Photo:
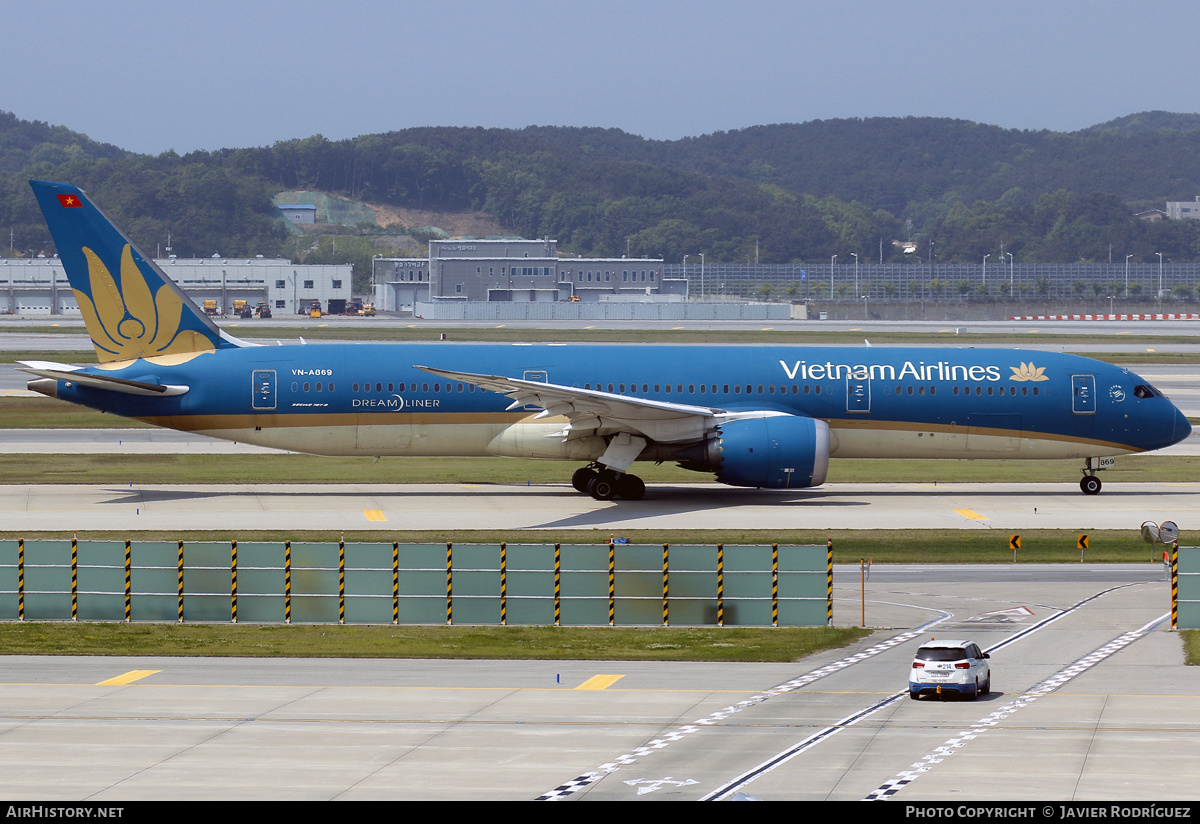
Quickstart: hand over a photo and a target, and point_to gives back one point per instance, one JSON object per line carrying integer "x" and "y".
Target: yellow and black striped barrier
{"x": 611, "y": 583}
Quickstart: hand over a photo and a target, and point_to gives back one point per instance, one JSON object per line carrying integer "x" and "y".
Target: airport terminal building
{"x": 39, "y": 286}
{"x": 512, "y": 270}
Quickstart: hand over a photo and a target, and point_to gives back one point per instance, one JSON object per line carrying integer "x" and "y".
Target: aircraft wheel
{"x": 582, "y": 477}
{"x": 603, "y": 487}
{"x": 1090, "y": 484}
{"x": 631, "y": 487}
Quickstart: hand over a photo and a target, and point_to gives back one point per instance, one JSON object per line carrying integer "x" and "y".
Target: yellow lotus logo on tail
{"x": 129, "y": 322}
{"x": 1028, "y": 372}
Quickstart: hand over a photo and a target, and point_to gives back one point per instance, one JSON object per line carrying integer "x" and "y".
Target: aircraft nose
{"x": 1183, "y": 427}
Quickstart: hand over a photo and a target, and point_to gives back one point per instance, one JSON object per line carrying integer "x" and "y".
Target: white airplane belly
{"x": 960, "y": 442}
{"x": 427, "y": 439}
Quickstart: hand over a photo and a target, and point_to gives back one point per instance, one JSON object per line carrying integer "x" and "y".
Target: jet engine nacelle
{"x": 779, "y": 452}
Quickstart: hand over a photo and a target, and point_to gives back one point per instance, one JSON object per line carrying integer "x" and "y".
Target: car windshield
{"x": 941, "y": 654}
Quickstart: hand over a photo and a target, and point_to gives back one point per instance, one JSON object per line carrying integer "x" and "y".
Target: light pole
{"x": 831, "y": 261}
{"x": 1159, "y": 275}
{"x": 701, "y": 275}
{"x": 1010, "y": 274}
{"x": 855, "y": 256}
{"x": 985, "y": 257}
{"x": 1127, "y": 257}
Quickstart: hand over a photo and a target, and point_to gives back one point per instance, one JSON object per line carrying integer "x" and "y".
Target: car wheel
{"x": 914, "y": 695}
{"x": 975, "y": 693}
{"x": 987, "y": 685}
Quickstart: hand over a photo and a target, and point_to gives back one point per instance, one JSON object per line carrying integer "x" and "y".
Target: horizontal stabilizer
{"x": 77, "y": 375}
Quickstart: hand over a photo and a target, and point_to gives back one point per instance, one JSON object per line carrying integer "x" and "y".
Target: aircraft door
{"x": 1083, "y": 394}
{"x": 858, "y": 394}
{"x": 263, "y": 389}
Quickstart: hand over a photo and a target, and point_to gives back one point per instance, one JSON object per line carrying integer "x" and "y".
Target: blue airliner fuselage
{"x": 761, "y": 415}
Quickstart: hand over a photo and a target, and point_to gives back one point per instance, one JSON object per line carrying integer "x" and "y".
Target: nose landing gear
{"x": 1089, "y": 483}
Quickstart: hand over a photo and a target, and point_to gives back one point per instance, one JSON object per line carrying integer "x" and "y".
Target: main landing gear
{"x": 604, "y": 484}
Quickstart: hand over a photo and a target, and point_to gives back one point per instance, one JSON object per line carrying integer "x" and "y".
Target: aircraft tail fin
{"x": 131, "y": 307}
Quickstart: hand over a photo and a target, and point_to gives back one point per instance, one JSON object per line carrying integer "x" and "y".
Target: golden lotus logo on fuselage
{"x": 128, "y": 322}
{"x": 1028, "y": 372}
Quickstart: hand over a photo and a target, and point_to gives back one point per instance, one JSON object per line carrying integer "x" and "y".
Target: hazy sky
{"x": 206, "y": 74}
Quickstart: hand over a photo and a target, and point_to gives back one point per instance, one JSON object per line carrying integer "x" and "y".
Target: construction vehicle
{"x": 263, "y": 310}
{"x": 241, "y": 309}
{"x": 210, "y": 307}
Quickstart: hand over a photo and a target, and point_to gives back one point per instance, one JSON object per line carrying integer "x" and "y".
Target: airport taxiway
{"x": 1006, "y": 507}
{"x": 1090, "y": 702}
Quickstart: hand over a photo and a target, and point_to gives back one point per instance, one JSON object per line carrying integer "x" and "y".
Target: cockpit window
{"x": 1145, "y": 390}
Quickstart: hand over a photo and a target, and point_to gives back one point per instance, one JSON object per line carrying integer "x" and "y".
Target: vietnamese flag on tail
{"x": 70, "y": 200}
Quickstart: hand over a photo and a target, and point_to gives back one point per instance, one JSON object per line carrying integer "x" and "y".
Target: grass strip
{"x": 183, "y": 468}
{"x": 850, "y": 546}
{"x": 1191, "y": 647}
{"x": 709, "y": 644}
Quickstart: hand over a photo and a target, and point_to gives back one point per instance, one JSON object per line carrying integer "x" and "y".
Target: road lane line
{"x": 889, "y": 788}
{"x": 580, "y": 782}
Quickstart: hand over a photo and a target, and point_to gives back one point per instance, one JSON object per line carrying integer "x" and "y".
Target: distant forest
{"x": 776, "y": 194}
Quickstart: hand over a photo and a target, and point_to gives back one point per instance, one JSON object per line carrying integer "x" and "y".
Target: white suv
{"x": 950, "y": 666}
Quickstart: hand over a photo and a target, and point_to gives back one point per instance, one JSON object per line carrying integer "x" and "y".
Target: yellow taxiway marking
{"x": 967, "y": 513}
{"x": 127, "y": 678}
{"x": 599, "y": 682}
{"x": 374, "y": 515}
{"x": 1149, "y": 350}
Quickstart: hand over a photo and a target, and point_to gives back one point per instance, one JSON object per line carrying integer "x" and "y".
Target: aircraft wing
{"x": 77, "y": 375}
{"x": 592, "y": 412}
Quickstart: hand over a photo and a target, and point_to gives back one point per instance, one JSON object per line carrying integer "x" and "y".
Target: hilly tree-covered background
{"x": 776, "y": 194}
